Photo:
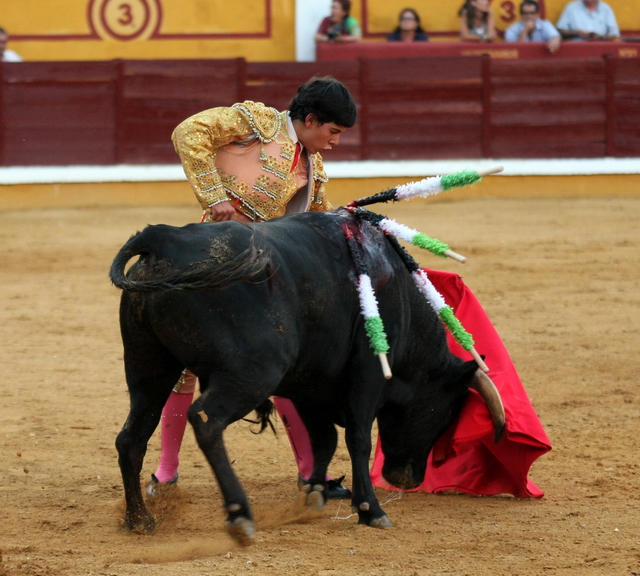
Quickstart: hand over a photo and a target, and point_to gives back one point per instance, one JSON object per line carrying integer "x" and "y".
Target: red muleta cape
{"x": 465, "y": 458}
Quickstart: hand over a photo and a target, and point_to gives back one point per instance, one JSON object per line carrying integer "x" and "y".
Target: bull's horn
{"x": 487, "y": 389}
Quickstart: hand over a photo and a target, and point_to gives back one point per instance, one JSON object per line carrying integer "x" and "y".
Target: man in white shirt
{"x": 7, "y": 55}
{"x": 531, "y": 28}
{"x": 588, "y": 20}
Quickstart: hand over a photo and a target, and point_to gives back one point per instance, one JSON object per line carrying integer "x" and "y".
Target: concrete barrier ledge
{"x": 12, "y": 175}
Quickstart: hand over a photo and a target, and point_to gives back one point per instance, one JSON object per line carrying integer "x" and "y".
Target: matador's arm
{"x": 197, "y": 140}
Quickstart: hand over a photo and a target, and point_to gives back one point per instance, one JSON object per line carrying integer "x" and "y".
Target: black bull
{"x": 272, "y": 309}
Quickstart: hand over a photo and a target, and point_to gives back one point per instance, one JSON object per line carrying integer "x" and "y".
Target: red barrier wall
{"x": 58, "y": 113}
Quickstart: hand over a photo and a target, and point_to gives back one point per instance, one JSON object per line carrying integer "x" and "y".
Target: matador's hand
{"x": 221, "y": 212}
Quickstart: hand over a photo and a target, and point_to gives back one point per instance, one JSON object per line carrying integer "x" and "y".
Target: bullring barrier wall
{"x": 460, "y": 107}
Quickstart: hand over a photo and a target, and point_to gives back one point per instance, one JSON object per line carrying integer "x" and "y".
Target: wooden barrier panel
{"x": 154, "y": 96}
{"x": 422, "y": 108}
{"x": 275, "y": 84}
{"x": 548, "y": 109}
{"x": 624, "y": 112}
{"x": 58, "y": 113}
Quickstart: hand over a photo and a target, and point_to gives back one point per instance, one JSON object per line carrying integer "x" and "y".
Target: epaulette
{"x": 265, "y": 122}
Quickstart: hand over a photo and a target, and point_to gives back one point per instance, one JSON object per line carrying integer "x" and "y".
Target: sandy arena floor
{"x": 559, "y": 278}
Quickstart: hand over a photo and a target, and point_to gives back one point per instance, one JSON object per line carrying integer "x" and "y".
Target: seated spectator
{"x": 588, "y": 20}
{"x": 531, "y": 28}
{"x": 409, "y": 28}
{"x": 339, "y": 27}
{"x": 7, "y": 55}
{"x": 476, "y": 22}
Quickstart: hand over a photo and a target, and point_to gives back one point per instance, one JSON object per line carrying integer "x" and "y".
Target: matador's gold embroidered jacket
{"x": 244, "y": 154}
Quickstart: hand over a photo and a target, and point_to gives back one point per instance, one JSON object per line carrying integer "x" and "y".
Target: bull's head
{"x": 409, "y": 430}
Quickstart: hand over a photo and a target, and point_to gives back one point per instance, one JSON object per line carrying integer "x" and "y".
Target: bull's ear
{"x": 468, "y": 371}
{"x": 462, "y": 375}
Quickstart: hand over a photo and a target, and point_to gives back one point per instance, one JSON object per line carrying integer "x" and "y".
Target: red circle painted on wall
{"x": 125, "y": 20}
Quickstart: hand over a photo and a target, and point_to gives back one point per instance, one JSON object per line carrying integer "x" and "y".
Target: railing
{"x": 59, "y": 113}
{"x": 498, "y": 50}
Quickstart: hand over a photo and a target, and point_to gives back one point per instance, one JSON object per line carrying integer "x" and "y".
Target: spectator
{"x": 7, "y": 55}
{"x": 476, "y": 22}
{"x": 588, "y": 20}
{"x": 409, "y": 28}
{"x": 531, "y": 28}
{"x": 339, "y": 27}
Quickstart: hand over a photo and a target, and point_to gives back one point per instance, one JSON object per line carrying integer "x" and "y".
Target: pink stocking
{"x": 174, "y": 422}
{"x": 298, "y": 436}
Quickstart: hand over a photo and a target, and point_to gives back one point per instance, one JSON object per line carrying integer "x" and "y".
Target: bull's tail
{"x": 263, "y": 413}
{"x": 206, "y": 275}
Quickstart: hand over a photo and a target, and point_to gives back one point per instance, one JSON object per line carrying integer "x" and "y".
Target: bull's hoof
{"x": 315, "y": 501}
{"x": 144, "y": 524}
{"x": 382, "y": 522}
{"x": 242, "y": 530}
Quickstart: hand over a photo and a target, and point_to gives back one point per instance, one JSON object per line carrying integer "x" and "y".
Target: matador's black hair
{"x": 327, "y": 98}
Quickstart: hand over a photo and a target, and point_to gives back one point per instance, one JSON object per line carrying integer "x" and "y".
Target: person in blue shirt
{"x": 409, "y": 28}
{"x": 588, "y": 21}
{"x": 532, "y": 28}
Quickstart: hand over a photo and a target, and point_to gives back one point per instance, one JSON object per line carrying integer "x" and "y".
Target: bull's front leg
{"x": 364, "y": 501}
{"x": 324, "y": 439}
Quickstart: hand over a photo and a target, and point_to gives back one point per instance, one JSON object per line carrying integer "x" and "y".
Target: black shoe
{"x": 155, "y": 485}
{"x": 334, "y": 491}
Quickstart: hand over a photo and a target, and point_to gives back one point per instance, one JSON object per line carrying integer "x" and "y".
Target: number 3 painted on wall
{"x": 127, "y": 15}
{"x": 508, "y": 10}
{"x": 125, "y": 20}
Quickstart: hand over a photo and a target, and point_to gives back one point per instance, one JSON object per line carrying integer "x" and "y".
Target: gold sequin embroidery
{"x": 288, "y": 151}
{"x": 198, "y": 139}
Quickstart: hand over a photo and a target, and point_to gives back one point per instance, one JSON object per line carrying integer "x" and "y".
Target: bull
{"x": 272, "y": 309}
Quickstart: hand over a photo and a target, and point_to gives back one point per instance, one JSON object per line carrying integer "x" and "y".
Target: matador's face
{"x": 317, "y": 137}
